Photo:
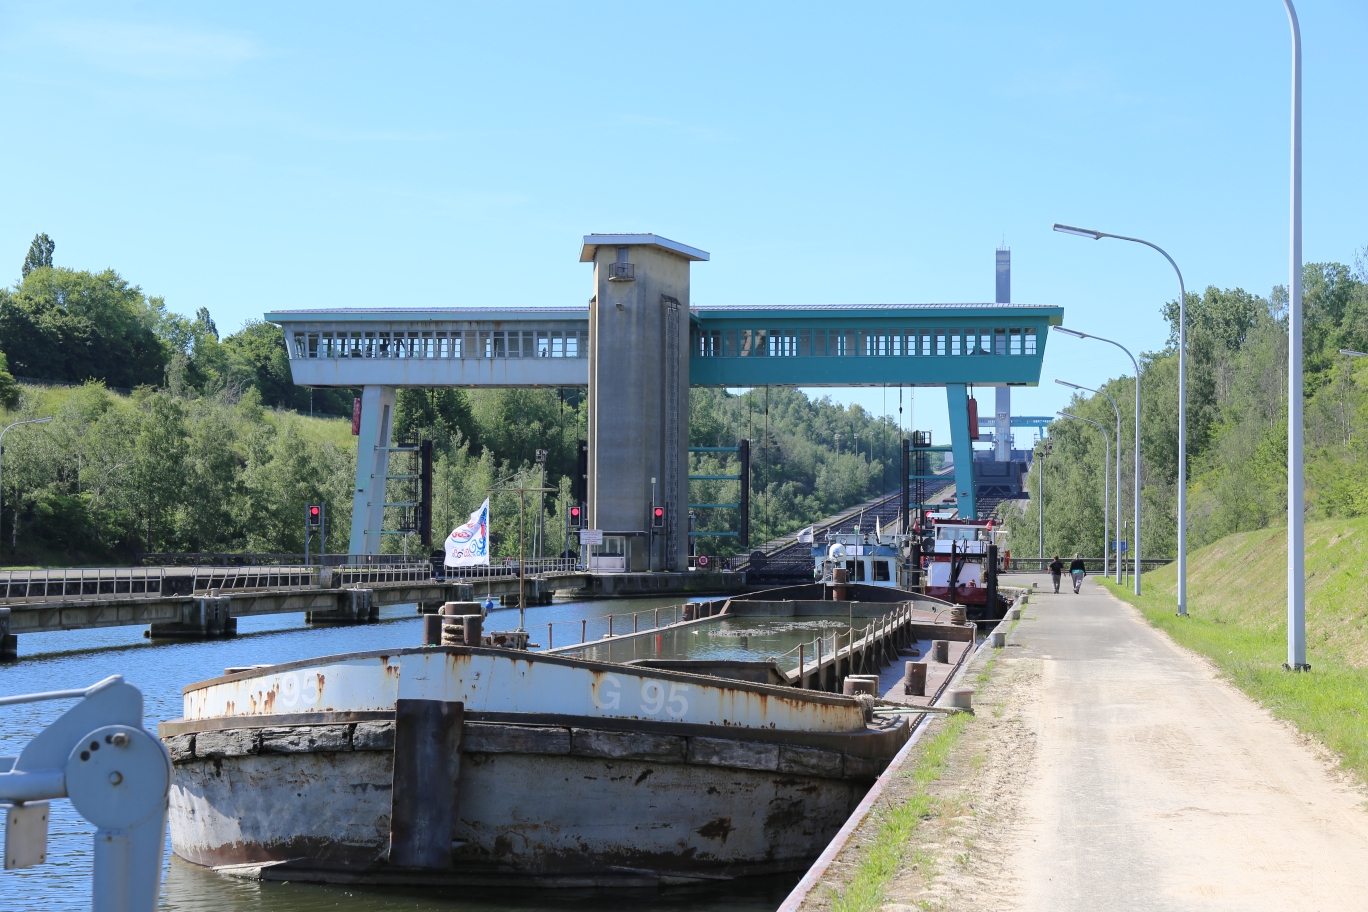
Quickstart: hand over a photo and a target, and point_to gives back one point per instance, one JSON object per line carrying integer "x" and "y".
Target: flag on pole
{"x": 468, "y": 545}
{"x": 805, "y": 536}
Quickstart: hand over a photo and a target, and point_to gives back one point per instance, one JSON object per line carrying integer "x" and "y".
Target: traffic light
{"x": 315, "y": 516}
{"x": 576, "y": 517}
{"x": 658, "y": 517}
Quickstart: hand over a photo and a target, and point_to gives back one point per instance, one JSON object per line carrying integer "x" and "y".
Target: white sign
{"x": 468, "y": 545}
{"x": 591, "y": 536}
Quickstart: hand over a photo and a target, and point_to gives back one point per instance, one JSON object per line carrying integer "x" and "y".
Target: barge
{"x": 491, "y": 766}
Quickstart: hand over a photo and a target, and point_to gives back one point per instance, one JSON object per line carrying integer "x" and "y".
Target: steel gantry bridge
{"x": 638, "y": 346}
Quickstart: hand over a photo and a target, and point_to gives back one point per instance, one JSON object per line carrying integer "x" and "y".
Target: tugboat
{"x": 959, "y": 558}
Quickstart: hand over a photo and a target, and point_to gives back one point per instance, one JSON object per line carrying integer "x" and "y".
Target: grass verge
{"x": 881, "y": 858}
{"x": 1237, "y": 619}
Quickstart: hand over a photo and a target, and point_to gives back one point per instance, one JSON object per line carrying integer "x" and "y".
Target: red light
{"x": 313, "y": 511}
{"x": 574, "y": 511}
{"x": 659, "y": 511}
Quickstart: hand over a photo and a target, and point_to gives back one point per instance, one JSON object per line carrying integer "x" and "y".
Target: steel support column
{"x": 372, "y": 465}
{"x": 957, "y": 400}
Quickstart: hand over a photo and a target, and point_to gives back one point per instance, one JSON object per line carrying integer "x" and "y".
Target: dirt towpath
{"x": 1108, "y": 768}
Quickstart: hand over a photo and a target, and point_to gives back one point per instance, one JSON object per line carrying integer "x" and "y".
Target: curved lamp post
{"x": 1296, "y": 518}
{"x": 1106, "y": 482}
{"x": 1117, "y": 409}
{"x": 2, "y": 456}
{"x": 1083, "y": 335}
{"x": 1182, "y": 406}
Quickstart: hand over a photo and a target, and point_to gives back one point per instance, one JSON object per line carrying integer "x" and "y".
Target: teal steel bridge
{"x": 955, "y": 346}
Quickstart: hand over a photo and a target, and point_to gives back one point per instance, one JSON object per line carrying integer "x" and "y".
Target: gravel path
{"x": 1108, "y": 768}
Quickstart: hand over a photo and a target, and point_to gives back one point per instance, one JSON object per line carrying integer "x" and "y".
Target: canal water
{"x": 60, "y": 661}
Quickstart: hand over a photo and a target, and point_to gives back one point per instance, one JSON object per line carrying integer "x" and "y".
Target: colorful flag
{"x": 805, "y": 536}
{"x": 468, "y": 545}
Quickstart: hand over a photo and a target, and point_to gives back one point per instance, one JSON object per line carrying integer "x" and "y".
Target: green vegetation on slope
{"x": 1237, "y": 422}
{"x": 1237, "y": 591}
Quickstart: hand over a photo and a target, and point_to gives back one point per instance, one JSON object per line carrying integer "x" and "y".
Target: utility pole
{"x": 522, "y": 549}
{"x": 541, "y": 506}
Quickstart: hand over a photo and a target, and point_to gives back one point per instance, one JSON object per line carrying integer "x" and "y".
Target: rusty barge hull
{"x": 536, "y": 804}
{"x": 554, "y": 771}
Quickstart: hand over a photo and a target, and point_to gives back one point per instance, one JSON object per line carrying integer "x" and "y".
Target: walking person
{"x": 1056, "y": 568}
{"x": 1077, "y": 571}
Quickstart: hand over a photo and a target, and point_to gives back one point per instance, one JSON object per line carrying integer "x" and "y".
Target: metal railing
{"x": 362, "y": 574}
{"x": 213, "y": 559}
{"x": 1091, "y": 564}
{"x": 598, "y": 630}
{"x": 235, "y": 579}
{"x": 80, "y": 583}
{"x": 509, "y": 568}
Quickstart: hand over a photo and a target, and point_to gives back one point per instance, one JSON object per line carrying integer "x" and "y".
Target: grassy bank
{"x": 1237, "y": 606}
{"x": 893, "y": 845}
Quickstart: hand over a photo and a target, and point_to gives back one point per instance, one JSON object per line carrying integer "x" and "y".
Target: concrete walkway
{"x": 1156, "y": 786}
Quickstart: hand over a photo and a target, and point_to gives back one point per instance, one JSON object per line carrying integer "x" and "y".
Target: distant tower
{"x": 1002, "y": 432}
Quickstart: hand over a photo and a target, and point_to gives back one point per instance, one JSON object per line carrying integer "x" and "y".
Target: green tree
{"x": 39, "y": 254}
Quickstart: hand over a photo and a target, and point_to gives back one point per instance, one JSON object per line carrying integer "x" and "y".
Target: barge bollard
{"x": 958, "y": 615}
{"x": 940, "y": 651}
{"x": 860, "y": 684}
{"x": 1014, "y": 614}
{"x": 914, "y": 679}
{"x": 432, "y": 630}
{"x": 998, "y": 639}
{"x": 474, "y": 625}
{"x": 689, "y": 608}
{"x": 962, "y": 698}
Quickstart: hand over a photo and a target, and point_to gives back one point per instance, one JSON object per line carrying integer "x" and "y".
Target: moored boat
{"x": 486, "y": 766}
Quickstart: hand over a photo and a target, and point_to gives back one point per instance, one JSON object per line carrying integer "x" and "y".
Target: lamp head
{"x": 1069, "y": 385}
{"x": 1081, "y": 232}
{"x": 1353, "y": 354}
{"x": 1070, "y": 332}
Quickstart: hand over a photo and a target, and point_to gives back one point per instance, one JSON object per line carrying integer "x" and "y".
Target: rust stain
{"x": 717, "y": 828}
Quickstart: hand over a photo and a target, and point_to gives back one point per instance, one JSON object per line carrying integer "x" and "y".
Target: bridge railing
{"x": 509, "y": 568}
{"x": 398, "y": 572}
{"x": 234, "y": 579}
{"x": 69, "y": 583}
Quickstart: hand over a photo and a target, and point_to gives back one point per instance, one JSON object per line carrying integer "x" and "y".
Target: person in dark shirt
{"x": 1077, "y": 571}
{"x": 1056, "y": 568}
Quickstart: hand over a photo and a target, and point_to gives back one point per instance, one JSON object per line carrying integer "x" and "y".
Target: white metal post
{"x": 1136, "y": 364}
{"x": 1116, "y": 563}
{"x": 1296, "y": 519}
{"x": 1182, "y": 410}
{"x": 1106, "y": 483}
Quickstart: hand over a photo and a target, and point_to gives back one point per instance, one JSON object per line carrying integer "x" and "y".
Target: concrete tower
{"x": 639, "y": 399}
{"x": 1002, "y": 431}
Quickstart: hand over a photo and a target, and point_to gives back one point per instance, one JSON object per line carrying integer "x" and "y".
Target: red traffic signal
{"x": 576, "y": 518}
{"x": 315, "y": 515}
{"x": 658, "y": 517}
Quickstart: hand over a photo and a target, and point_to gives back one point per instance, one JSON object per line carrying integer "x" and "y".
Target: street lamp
{"x": 1296, "y": 517}
{"x": 1106, "y": 482}
{"x": 1353, "y": 354}
{"x": 1117, "y": 409}
{"x": 1082, "y": 335}
{"x": 2, "y": 458}
{"x": 1182, "y": 404}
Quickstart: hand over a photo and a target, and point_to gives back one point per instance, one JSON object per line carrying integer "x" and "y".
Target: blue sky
{"x": 246, "y": 157}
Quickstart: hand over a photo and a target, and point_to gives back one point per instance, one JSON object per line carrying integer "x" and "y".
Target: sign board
{"x": 702, "y": 560}
{"x": 1121, "y": 547}
{"x": 591, "y": 536}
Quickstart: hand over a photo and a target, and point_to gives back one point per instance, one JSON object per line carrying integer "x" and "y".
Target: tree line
{"x": 1237, "y": 423}
{"x": 169, "y": 438}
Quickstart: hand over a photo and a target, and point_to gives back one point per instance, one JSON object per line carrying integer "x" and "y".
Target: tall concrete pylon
{"x": 1002, "y": 431}
{"x": 639, "y": 397}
